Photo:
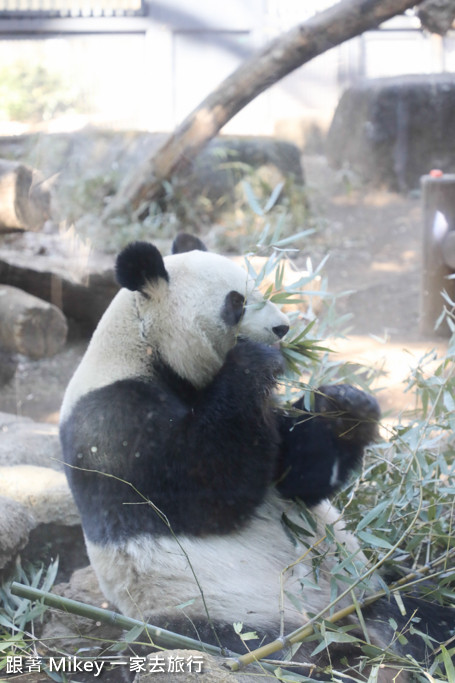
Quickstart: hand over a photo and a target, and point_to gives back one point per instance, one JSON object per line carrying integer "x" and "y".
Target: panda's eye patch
{"x": 234, "y": 305}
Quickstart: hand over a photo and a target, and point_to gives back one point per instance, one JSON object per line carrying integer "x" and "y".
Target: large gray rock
{"x": 24, "y": 442}
{"x": 228, "y": 160}
{"x": 16, "y": 522}
{"x": 43, "y": 492}
{"x": 391, "y": 131}
{"x": 90, "y": 165}
{"x": 8, "y": 365}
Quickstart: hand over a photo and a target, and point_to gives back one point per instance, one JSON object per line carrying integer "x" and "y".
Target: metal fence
{"x": 70, "y": 8}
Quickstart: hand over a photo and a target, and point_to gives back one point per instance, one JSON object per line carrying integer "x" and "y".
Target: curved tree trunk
{"x": 280, "y": 57}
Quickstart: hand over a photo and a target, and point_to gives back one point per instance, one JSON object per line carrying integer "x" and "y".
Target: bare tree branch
{"x": 280, "y": 57}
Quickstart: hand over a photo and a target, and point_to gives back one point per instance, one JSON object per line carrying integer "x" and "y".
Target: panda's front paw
{"x": 352, "y": 413}
{"x": 257, "y": 360}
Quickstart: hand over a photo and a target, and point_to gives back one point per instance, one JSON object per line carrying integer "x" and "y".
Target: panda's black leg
{"x": 319, "y": 449}
{"x": 352, "y": 413}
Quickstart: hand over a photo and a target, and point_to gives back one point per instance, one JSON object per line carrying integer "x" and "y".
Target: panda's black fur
{"x": 154, "y": 455}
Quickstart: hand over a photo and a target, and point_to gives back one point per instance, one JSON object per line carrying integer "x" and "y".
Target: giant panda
{"x": 184, "y": 465}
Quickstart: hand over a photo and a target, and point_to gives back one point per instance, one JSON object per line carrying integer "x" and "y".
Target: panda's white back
{"x": 111, "y": 355}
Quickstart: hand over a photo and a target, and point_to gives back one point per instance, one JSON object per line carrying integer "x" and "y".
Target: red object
{"x": 436, "y": 173}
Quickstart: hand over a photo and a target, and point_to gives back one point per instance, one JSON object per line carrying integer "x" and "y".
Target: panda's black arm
{"x": 235, "y": 411}
{"x": 204, "y": 457}
{"x": 225, "y": 445}
{"x": 320, "y": 449}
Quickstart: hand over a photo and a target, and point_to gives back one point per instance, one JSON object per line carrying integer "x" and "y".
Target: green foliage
{"x": 85, "y": 194}
{"x": 233, "y": 214}
{"x": 407, "y": 489}
{"x": 30, "y": 92}
{"x": 307, "y": 359}
{"x": 268, "y": 211}
{"x": 401, "y": 508}
{"x": 17, "y": 614}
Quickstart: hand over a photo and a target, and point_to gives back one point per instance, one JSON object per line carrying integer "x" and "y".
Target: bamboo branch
{"x": 163, "y": 638}
{"x": 160, "y": 637}
{"x": 281, "y": 56}
{"x": 307, "y": 630}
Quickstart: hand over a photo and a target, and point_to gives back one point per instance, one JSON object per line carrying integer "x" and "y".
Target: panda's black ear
{"x": 139, "y": 263}
{"x": 185, "y": 242}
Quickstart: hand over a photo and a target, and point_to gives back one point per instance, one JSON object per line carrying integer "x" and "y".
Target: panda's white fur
{"x": 184, "y": 325}
{"x": 244, "y": 574}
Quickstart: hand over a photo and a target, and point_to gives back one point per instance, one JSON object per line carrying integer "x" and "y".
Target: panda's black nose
{"x": 280, "y": 330}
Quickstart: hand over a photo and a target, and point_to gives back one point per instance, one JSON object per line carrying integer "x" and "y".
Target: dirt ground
{"x": 375, "y": 254}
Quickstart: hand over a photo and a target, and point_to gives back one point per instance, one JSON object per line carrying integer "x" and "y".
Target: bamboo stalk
{"x": 161, "y": 637}
{"x": 235, "y": 662}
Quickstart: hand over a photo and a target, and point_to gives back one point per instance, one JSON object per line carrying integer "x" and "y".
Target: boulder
{"x": 89, "y": 166}
{"x": 391, "y": 131}
{"x": 228, "y": 160}
{"x": 44, "y": 492}
{"x": 16, "y": 522}
{"x": 24, "y": 442}
{"x": 8, "y": 365}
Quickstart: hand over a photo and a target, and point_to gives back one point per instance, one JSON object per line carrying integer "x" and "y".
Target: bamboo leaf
{"x": 293, "y": 238}
{"x": 287, "y": 298}
{"x": 238, "y": 627}
{"x": 264, "y": 235}
{"x": 448, "y": 663}
{"x": 273, "y": 197}
{"x": 449, "y": 402}
{"x": 373, "y": 514}
{"x": 333, "y": 637}
{"x": 374, "y": 540}
{"x": 129, "y": 637}
{"x": 252, "y": 200}
{"x": 287, "y": 677}
{"x": 295, "y": 528}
